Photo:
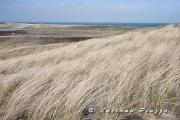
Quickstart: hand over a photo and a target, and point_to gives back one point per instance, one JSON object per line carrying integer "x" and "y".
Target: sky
{"x": 117, "y": 11}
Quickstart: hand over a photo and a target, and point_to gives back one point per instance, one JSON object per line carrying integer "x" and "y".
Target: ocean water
{"x": 106, "y": 24}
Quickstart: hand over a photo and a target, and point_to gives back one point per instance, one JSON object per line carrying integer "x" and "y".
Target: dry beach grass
{"x": 140, "y": 68}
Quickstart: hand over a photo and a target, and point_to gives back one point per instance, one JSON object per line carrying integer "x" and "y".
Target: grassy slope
{"x": 136, "y": 69}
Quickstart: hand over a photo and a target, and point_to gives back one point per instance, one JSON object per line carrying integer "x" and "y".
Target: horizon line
{"x": 90, "y": 22}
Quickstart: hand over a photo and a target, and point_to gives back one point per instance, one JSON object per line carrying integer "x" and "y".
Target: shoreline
{"x": 71, "y": 24}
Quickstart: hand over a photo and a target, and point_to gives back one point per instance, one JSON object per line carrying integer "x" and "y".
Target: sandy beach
{"x": 17, "y": 39}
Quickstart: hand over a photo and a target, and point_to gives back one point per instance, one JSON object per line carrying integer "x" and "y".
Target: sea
{"x": 104, "y": 24}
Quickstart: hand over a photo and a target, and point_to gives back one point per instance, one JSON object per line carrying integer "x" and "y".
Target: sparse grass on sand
{"x": 140, "y": 68}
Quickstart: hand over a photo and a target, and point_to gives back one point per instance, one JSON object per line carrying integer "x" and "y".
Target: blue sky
{"x": 129, "y": 11}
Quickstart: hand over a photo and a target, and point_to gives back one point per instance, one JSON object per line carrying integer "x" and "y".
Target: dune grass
{"x": 137, "y": 69}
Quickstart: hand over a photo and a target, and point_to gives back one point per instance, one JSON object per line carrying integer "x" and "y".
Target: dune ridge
{"x": 139, "y": 68}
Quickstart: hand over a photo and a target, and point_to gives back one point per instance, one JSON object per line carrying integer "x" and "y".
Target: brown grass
{"x": 137, "y": 69}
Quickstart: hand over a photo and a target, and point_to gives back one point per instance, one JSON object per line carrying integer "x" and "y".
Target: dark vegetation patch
{"x": 11, "y": 32}
{"x": 54, "y": 40}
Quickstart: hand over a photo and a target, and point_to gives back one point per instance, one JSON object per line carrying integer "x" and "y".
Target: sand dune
{"x": 140, "y": 68}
